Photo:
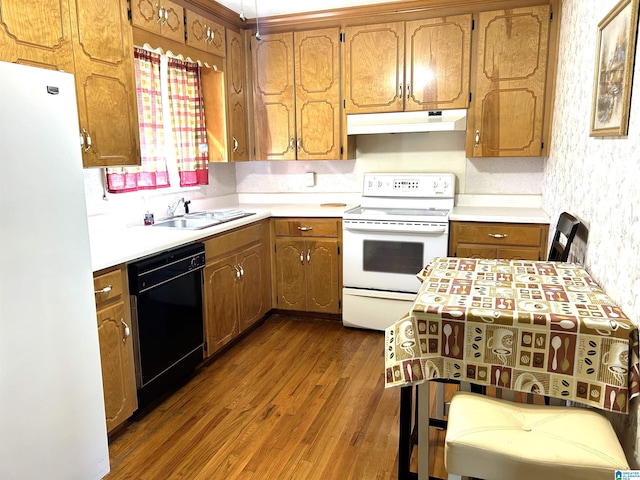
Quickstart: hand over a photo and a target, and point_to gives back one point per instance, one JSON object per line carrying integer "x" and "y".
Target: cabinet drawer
{"x": 307, "y": 227}
{"x": 226, "y": 243}
{"x": 107, "y": 286}
{"x": 525, "y": 234}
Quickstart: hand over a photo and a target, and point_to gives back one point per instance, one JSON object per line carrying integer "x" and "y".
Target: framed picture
{"x": 614, "y": 70}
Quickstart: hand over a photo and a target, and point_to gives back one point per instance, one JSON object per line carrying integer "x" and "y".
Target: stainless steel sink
{"x": 199, "y": 220}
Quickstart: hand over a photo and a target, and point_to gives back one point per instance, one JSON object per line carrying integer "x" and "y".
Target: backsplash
{"x": 403, "y": 152}
{"x": 596, "y": 178}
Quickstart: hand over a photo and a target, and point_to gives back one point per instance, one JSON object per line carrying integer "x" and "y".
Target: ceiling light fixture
{"x": 258, "y": 37}
{"x": 242, "y": 17}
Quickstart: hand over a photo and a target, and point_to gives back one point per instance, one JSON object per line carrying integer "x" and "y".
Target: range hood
{"x": 406, "y": 122}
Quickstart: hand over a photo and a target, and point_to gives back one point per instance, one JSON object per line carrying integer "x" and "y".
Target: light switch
{"x": 310, "y": 179}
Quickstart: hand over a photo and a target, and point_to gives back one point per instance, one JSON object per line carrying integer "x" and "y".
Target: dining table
{"x": 538, "y": 327}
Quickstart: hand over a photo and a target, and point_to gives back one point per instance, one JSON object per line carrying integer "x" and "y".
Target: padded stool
{"x": 496, "y": 439}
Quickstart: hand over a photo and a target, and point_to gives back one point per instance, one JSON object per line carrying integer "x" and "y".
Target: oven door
{"x": 389, "y": 260}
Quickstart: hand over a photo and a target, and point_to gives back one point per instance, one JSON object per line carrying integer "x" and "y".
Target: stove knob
{"x": 370, "y": 183}
{"x": 379, "y": 183}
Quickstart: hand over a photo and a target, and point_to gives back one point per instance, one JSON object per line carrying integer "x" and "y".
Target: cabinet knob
{"x": 298, "y": 143}
{"x": 305, "y": 229}
{"x": 302, "y": 258}
{"x": 408, "y": 89}
{"x": 309, "y": 256}
{"x": 235, "y": 145}
{"x": 477, "y": 138}
{"x": 498, "y": 235}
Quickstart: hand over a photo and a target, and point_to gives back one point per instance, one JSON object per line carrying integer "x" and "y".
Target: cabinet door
{"x": 105, "y": 83}
{"x": 146, "y": 14}
{"x": 116, "y": 357}
{"x": 237, "y": 96}
{"x": 317, "y": 94}
{"x": 252, "y": 286}
{"x": 323, "y": 284}
{"x": 273, "y": 97}
{"x": 374, "y": 68}
{"x": 291, "y": 278}
{"x": 438, "y": 61}
{"x": 506, "y": 114}
{"x": 221, "y": 303}
{"x": 205, "y": 34}
{"x": 36, "y": 33}
{"x": 172, "y": 26}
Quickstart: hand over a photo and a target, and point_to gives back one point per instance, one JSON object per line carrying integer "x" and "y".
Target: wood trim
{"x": 552, "y": 69}
{"x": 221, "y": 13}
{"x": 379, "y": 13}
{"x": 383, "y": 12}
{"x": 140, "y": 37}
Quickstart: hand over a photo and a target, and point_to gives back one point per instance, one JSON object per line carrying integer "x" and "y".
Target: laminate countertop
{"x": 114, "y": 246}
{"x": 498, "y": 214}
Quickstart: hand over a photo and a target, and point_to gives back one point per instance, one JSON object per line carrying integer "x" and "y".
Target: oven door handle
{"x": 434, "y": 229}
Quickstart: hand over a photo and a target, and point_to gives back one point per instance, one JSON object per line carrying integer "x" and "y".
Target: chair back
{"x": 567, "y": 227}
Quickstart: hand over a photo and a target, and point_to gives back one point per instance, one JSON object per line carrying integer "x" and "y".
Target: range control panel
{"x": 421, "y": 185}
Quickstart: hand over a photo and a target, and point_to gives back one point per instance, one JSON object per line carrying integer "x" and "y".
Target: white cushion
{"x": 496, "y": 439}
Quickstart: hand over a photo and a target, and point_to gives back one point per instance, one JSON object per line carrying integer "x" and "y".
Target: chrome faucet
{"x": 171, "y": 209}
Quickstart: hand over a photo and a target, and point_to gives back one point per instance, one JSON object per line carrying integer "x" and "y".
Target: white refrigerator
{"x": 52, "y": 418}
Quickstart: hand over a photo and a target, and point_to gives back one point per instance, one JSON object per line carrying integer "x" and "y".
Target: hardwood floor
{"x": 296, "y": 399}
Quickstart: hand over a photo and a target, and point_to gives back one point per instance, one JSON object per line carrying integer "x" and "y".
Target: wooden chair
{"x": 496, "y": 439}
{"x": 567, "y": 228}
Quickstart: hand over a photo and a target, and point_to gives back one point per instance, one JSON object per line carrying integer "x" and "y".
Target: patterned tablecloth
{"x": 539, "y": 327}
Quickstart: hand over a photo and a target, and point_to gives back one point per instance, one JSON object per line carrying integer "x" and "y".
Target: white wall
{"x": 597, "y": 179}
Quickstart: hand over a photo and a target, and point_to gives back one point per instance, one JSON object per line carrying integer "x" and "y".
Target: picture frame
{"x": 613, "y": 80}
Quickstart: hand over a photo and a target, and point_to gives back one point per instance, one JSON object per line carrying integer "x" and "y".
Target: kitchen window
{"x": 173, "y": 146}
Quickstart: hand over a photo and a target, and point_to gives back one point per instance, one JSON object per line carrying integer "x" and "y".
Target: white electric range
{"x": 400, "y": 226}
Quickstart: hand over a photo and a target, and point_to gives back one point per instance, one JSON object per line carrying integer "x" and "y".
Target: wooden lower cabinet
{"x": 512, "y": 241}
{"x": 116, "y": 346}
{"x": 236, "y": 283}
{"x": 308, "y": 265}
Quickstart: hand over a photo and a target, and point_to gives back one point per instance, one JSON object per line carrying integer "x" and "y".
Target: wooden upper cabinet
{"x": 317, "y": 80}
{"x": 506, "y": 114}
{"x": 237, "y": 97}
{"x": 297, "y": 119}
{"x": 438, "y": 62}
{"x": 417, "y": 65}
{"x": 205, "y": 34}
{"x": 273, "y": 97}
{"x": 93, "y": 40}
{"x": 36, "y": 33}
{"x": 374, "y": 68}
{"x": 105, "y": 83}
{"x": 160, "y": 17}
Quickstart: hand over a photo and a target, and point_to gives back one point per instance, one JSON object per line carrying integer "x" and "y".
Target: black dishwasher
{"x": 166, "y": 308}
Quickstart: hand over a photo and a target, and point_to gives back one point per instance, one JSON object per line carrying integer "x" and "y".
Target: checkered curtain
{"x": 153, "y": 170}
{"x": 187, "y": 117}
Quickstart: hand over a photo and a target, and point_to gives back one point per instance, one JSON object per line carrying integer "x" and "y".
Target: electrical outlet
{"x": 310, "y": 179}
